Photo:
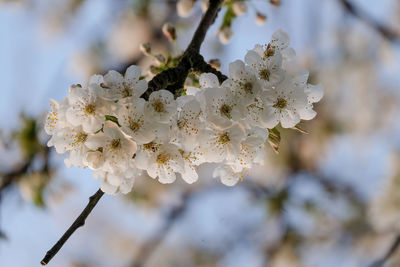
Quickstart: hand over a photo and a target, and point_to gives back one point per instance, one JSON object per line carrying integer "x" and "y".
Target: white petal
{"x": 236, "y": 69}
{"x": 95, "y": 141}
{"x": 133, "y": 73}
{"x": 252, "y": 58}
{"x": 208, "y": 80}
{"x": 314, "y": 92}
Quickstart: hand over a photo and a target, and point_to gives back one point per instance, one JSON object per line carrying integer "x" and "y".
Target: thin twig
{"x": 8, "y": 178}
{"x": 392, "y": 249}
{"x": 385, "y": 31}
{"x": 79, "y": 222}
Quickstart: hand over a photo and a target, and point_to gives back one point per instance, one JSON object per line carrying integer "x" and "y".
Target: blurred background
{"x": 329, "y": 198}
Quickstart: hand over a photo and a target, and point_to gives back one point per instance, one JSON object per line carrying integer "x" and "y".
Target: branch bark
{"x": 173, "y": 79}
{"x": 79, "y": 222}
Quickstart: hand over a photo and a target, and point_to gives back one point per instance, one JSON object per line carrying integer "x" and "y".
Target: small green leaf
{"x": 113, "y": 119}
{"x": 228, "y": 17}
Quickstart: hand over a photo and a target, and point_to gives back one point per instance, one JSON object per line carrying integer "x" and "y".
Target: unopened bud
{"x": 184, "y": 7}
{"x": 275, "y": 2}
{"x": 160, "y": 59}
{"x": 145, "y": 48}
{"x": 204, "y": 5}
{"x": 260, "y": 19}
{"x": 153, "y": 70}
{"x": 215, "y": 63}
{"x": 225, "y": 34}
{"x": 239, "y": 7}
{"x": 169, "y": 31}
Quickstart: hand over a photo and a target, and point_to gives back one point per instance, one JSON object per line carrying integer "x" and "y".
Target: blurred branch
{"x": 392, "y": 249}
{"x": 79, "y": 222}
{"x": 173, "y": 79}
{"x": 10, "y": 177}
{"x": 176, "y": 212}
{"x": 385, "y": 31}
{"x": 173, "y": 214}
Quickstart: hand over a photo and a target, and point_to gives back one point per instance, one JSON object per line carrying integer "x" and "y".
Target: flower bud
{"x": 145, "y": 48}
{"x": 184, "y": 7}
{"x": 160, "y": 59}
{"x": 260, "y": 19}
{"x": 225, "y": 35}
{"x": 275, "y": 2}
{"x": 169, "y": 31}
{"x": 215, "y": 63}
{"x": 153, "y": 70}
{"x": 239, "y": 7}
{"x": 204, "y": 5}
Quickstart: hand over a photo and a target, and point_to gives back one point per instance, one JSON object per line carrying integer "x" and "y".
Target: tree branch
{"x": 392, "y": 249}
{"x": 173, "y": 214}
{"x": 173, "y": 79}
{"x": 80, "y": 221}
{"x": 386, "y": 32}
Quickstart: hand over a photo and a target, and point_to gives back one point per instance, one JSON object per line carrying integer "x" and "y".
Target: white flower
{"x": 55, "y": 118}
{"x": 113, "y": 183}
{"x": 191, "y": 159}
{"x": 251, "y": 148}
{"x": 227, "y": 176}
{"x": 133, "y": 123}
{"x": 221, "y": 107}
{"x": 226, "y": 124}
{"x": 268, "y": 70}
{"x": 285, "y": 104}
{"x": 161, "y": 161}
{"x": 71, "y": 140}
{"x": 94, "y": 159}
{"x": 188, "y": 123}
{"x": 116, "y": 147}
{"x": 121, "y": 87}
{"x": 86, "y": 108}
{"x": 254, "y": 114}
{"x": 161, "y": 106}
{"x": 219, "y": 145}
{"x": 280, "y": 42}
{"x": 242, "y": 82}
{"x": 314, "y": 92}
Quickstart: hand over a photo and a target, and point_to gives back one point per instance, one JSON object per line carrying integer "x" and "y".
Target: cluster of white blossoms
{"x": 107, "y": 127}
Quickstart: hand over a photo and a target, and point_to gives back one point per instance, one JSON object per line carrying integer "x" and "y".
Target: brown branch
{"x": 80, "y": 221}
{"x": 173, "y": 79}
{"x": 8, "y": 178}
{"x": 392, "y": 249}
{"x": 385, "y": 31}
